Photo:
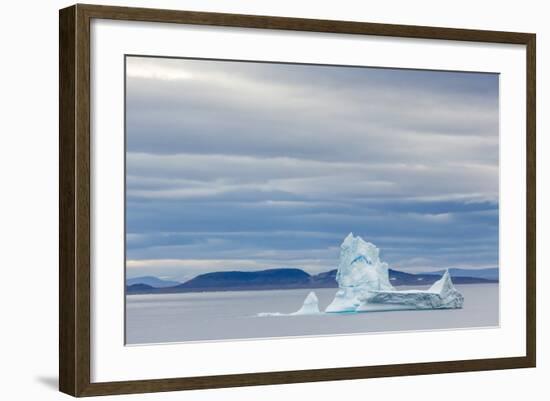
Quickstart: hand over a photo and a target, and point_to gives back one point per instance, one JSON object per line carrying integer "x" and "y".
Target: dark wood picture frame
{"x": 74, "y": 199}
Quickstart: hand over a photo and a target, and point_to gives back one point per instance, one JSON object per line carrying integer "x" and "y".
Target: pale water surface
{"x": 231, "y": 315}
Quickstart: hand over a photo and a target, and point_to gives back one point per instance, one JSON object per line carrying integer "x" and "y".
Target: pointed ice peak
{"x": 360, "y": 266}
{"x": 310, "y": 306}
{"x": 311, "y": 299}
{"x": 359, "y": 245}
{"x": 361, "y": 249}
{"x": 348, "y": 240}
{"x": 443, "y": 285}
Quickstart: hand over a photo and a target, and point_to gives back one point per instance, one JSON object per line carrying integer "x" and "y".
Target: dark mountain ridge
{"x": 263, "y": 279}
{"x": 285, "y": 278}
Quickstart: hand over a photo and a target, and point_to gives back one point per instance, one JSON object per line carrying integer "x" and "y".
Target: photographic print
{"x": 268, "y": 199}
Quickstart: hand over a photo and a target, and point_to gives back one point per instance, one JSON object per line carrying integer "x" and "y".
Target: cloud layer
{"x": 244, "y": 165}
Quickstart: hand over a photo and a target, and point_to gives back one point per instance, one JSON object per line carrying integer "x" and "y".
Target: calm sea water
{"x": 231, "y": 315}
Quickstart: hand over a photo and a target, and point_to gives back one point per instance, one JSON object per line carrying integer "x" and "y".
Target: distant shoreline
{"x": 281, "y": 289}
{"x": 287, "y": 279}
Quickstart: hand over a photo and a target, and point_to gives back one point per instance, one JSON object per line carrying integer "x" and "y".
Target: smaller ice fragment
{"x": 310, "y": 306}
{"x": 269, "y": 314}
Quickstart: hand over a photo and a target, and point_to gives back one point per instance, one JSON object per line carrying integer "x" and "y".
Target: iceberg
{"x": 310, "y": 306}
{"x": 360, "y": 272}
{"x": 364, "y": 285}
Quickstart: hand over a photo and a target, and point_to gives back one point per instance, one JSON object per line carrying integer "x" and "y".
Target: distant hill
{"x": 286, "y": 278}
{"x": 139, "y": 289}
{"x": 152, "y": 281}
{"x": 255, "y": 280}
{"x": 324, "y": 280}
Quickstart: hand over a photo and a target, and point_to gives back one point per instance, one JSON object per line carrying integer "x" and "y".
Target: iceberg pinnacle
{"x": 450, "y": 296}
{"x": 310, "y": 306}
{"x": 360, "y": 271}
{"x": 360, "y": 265}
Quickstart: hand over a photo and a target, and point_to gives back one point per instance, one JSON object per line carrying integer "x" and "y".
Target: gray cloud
{"x": 260, "y": 164}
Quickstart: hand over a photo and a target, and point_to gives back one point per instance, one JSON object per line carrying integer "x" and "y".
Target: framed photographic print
{"x": 250, "y": 200}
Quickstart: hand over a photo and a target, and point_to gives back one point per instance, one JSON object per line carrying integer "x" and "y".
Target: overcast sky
{"x": 246, "y": 166}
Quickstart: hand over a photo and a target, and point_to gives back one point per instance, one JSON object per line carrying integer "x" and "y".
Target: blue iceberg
{"x": 364, "y": 285}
